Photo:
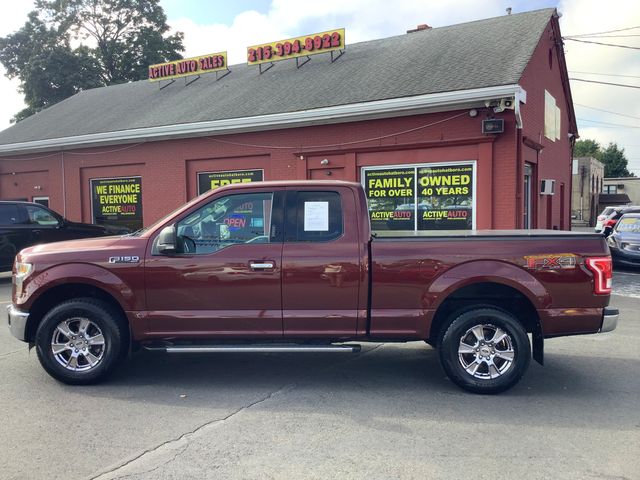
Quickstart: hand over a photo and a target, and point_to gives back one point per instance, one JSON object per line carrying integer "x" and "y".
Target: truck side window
{"x": 227, "y": 221}
{"x": 9, "y": 215}
{"x": 319, "y": 216}
{"x": 40, "y": 216}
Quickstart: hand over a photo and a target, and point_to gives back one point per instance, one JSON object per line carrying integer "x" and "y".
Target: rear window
{"x": 319, "y": 217}
{"x": 9, "y": 215}
{"x": 629, "y": 224}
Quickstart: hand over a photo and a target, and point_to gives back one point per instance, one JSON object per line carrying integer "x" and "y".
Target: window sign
{"x": 212, "y": 180}
{"x": 445, "y": 198}
{"x": 117, "y": 201}
{"x": 316, "y": 216}
{"x": 421, "y": 197}
{"x": 391, "y": 193}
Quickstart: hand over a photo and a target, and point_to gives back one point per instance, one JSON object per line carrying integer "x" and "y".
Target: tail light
{"x": 610, "y": 223}
{"x": 602, "y": 274}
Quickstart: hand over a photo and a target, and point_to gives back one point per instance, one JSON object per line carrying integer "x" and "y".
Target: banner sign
{"x": 212, "y": 180}
{"x": 391, "y": 194}
{"x": 420, "y": 197}
{"x": 117, "y": 201}
{"x": 296, "y": 47}
{"x": 185, "y": 67}
{"x": 445, "y": 198}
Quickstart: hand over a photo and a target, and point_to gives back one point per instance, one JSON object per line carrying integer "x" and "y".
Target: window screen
{"x": 319, "y": 216}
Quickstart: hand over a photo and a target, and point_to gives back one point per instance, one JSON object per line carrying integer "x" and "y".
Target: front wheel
{"x": 79, "y": 341}
{"x": 485, "y": 350}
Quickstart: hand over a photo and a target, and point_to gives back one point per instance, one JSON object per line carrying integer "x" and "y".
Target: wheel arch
{"x": 68, "y": 291}
{"x": 507, "y": 288}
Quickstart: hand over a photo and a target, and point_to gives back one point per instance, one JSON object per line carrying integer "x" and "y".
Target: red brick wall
{"x": 168, "y": 168}
{"x": 554, "y": 160}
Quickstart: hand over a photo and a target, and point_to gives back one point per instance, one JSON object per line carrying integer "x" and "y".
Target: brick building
{"x": 406, "y": 110}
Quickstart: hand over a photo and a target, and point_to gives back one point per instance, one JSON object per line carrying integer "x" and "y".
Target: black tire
{"x": 102, "y": 324}
{"x": 469, "y": 361}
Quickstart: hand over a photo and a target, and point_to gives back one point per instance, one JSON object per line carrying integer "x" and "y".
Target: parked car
{"x": 624, "y": 241}
{"x": 603, "y": 216}
{"x": 294, "y": 267}
{"x": 614, "y": 216}
{"x": 23, "y": 224}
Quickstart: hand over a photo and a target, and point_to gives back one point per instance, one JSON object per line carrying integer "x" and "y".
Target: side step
{"x": 248, "y": 348}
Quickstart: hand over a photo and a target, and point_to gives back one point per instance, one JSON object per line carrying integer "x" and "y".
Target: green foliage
{"x": 613, "y": 158}
{"x": 587, "y": 148}
{"x": 117, "y": 40}
{"x": 615, "y": 162}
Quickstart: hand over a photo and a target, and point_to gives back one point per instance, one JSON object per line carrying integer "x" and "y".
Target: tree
{"x": 613, "y": 158}
{"x": 615, "y": 162}
{"x": 70, "y": 45}
{"x": 587, "y": 148}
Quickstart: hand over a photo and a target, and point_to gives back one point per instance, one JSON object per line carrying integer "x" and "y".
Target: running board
{"x": 278, "y": 348}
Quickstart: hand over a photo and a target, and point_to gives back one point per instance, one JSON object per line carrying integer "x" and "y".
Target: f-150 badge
{"x": 134, "y": 259}
{"x": 560, "y": 261}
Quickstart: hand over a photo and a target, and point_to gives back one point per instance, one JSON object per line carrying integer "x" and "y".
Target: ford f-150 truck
{"x": 294, "y": 266}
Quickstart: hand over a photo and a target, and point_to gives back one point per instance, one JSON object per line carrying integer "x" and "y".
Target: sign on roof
{"x": 185, "y": 67}
{"x": 296, "y": 47}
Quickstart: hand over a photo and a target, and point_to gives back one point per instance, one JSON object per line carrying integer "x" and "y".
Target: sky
{"x": 605, "y": 113}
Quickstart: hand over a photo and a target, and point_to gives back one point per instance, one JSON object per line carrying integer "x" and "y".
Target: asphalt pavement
{"x": 388, "y": 412}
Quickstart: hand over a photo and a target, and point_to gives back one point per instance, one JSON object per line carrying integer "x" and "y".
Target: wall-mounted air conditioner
{"x": 547, "y": 187}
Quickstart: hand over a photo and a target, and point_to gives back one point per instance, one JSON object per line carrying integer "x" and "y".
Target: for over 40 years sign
{"x": 117, "y": 201}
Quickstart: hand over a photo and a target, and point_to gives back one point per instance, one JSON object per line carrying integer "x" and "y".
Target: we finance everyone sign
{"x": 117, "y": 201}
{"x": 422, "y": 197}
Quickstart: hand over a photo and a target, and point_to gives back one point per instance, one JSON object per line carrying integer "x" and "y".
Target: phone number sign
{"x": 296, "y": 47}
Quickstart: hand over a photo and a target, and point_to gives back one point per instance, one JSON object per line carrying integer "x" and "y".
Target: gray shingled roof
{"x": 483, "y": 53}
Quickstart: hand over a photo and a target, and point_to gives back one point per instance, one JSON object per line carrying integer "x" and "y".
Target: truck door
{"x": 224, "y": 280}
{"x": 320, "y": 264}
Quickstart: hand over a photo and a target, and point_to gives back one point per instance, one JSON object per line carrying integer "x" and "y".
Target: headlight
{"x": 22, "y": 271}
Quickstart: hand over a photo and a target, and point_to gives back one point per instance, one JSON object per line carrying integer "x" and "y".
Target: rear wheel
{"x": 484, "y": 350}
{"x": 80, "y": 341}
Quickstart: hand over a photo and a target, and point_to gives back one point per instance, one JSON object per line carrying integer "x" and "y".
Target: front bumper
{"x": 609, "y": 319}
{"x": 17, "y": 322}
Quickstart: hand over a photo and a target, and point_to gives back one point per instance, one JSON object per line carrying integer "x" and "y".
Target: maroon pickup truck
{"x": 293, "y": 266}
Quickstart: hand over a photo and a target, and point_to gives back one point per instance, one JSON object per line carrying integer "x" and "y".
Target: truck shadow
{"x": 380, "y": 382}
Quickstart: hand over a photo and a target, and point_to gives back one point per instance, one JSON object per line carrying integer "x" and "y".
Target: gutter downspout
{"x": 519, "y": 164}
{"x": 64, "y": 189}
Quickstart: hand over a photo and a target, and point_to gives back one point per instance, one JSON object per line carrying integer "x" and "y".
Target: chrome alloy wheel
{"x": 486, "y": 352}
{"x": 77, "y": 344}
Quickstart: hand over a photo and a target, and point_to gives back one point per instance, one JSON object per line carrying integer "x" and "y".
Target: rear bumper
{"x": 609, "y": 319}
{"x": 17, "y": 322}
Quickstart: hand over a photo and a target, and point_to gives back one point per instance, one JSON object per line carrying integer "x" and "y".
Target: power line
{"x": 610, "y": 36}
{"x": 608, "y": 123}
{"x": 605, "y": 74}
{"x": 602, "y": 33}
{"x": 600, "y": 43}
{"x": 607, "y": 111}
{"x": 604, "y": 83}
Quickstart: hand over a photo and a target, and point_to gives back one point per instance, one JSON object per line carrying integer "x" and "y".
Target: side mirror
{"x": 167, "y": 240}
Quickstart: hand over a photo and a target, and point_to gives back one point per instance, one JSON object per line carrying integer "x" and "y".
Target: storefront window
{"x": 117, "y": 202}
{"x": 422, "y": 197}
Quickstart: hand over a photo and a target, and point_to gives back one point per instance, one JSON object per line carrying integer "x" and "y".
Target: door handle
{"x": 265, "y": 265}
